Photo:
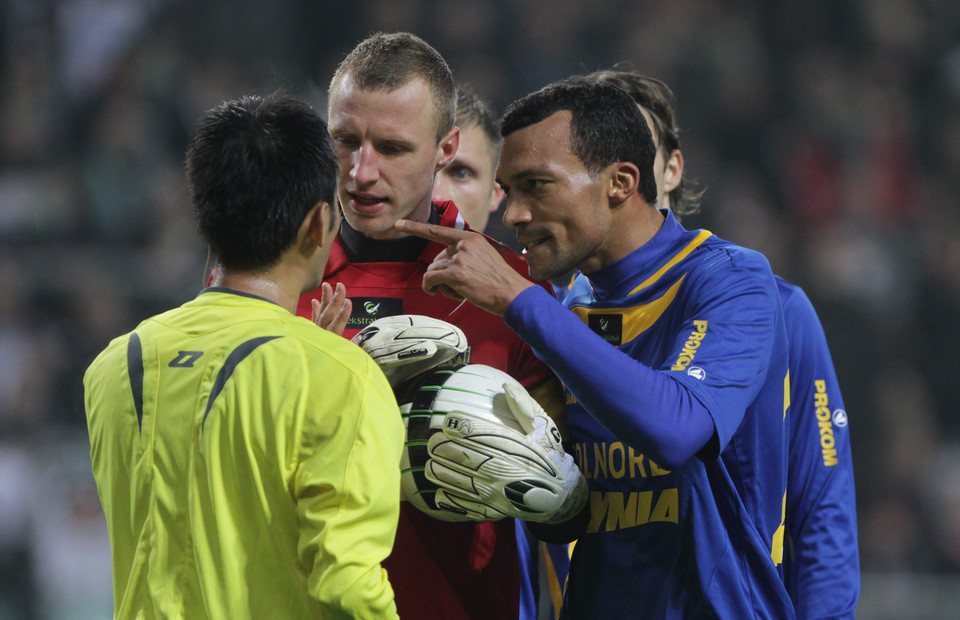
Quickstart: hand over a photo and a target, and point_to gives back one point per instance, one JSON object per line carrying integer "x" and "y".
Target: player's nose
{"x": 516, "y": 213}
{"x": 366, "y": 165}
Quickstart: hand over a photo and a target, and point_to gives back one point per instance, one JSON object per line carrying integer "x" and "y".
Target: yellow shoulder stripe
{"x": 682, "y": 254}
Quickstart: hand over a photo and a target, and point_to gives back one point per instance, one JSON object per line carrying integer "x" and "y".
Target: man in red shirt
{"x": 392, "y": 106}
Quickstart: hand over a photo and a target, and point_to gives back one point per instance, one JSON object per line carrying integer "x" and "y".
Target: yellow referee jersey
{"x": 248, "y": 465}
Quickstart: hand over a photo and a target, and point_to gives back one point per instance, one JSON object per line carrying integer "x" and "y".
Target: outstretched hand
{"x": 468, "y": 268}
{"x": 333, "y": 309}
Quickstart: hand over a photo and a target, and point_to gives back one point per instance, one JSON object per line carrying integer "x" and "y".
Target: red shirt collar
{"x": 449, "y": 217}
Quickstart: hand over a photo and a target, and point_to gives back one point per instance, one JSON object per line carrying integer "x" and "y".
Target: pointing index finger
{"x": 433, "y": 232}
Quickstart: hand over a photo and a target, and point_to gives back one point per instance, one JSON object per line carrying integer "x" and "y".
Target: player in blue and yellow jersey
{"x": 246, "y": 460}
{"x": 674, "y": 358}
{"x": 822, "y": 561}
{"x": 821, "y": 558}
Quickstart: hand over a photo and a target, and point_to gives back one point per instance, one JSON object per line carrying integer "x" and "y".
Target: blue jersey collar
{"x": 618, "y": 278}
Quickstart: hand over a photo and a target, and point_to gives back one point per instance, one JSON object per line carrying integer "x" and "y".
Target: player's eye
{"x": 346, "y": 142}
{"x": 392, "y": 148}
{"x": 461, "y": 173}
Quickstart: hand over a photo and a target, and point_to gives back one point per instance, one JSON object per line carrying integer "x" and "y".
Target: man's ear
{"x": 673, "y": 171}
{"x": 447, "y": 149}
{"x": 316, "y": 224}
{"x": 496, "y": 197}
{"x": 624, "y": 181}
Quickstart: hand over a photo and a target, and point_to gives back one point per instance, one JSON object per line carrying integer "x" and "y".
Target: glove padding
{"x": 488, "y": 471}
{"x": 409, "y": 344}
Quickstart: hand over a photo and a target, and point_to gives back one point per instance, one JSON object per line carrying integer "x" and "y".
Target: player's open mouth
{"x": 366, "y": 200}
{"x": 366, "y": 203}
{"x": 532, "y": 245}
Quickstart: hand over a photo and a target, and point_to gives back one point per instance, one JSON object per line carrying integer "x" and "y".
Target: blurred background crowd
{"x": 826, "y": 134}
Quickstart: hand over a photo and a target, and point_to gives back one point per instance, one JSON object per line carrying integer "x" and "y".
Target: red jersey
{"x": 438, "y": 569}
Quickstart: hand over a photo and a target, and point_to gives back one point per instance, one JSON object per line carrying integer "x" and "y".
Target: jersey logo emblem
{"x": 696, "y": 372}
{"x": 185, "y": 359}
{"x": 607, "y": 326}
{"x": 840, "y": 418}
{"x": 366, "y": 310}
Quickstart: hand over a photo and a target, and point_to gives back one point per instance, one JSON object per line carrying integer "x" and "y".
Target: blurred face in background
{"x": 388, "y": 153}
{"x": 470, "y": 179}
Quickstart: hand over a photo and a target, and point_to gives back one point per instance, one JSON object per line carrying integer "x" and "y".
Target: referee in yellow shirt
{"x": 247, "y": 460}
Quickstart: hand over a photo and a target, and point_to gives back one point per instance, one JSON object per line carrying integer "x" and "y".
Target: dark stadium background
{"x": 826, "y": 134}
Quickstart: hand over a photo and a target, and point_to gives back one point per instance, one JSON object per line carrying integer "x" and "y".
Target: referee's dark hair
{"x": 255, "y": 168}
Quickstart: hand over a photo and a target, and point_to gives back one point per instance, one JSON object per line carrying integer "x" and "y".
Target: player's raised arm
{"x": 469, "y": 268}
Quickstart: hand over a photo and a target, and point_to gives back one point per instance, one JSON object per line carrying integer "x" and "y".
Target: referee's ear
{"x": 329, "y": 216}
{"x": 313, "y": 230}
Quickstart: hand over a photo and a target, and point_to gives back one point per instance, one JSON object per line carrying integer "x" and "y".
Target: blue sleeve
{"x": 543, "y": 573}
{"x": 529, "y": 572}
{"x": 608, "y": 383}
{"x": 730, "y": 340}
{"x": 822, "y": 563}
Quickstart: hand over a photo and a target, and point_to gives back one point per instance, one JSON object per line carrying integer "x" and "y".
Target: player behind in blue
{"x": 673, "y": 353}
{"x": 821, "y": 558}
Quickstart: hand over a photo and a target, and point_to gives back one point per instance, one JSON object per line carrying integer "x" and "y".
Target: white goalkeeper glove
{"x": 488, "y": 471}
{"x": 408, "y": 344}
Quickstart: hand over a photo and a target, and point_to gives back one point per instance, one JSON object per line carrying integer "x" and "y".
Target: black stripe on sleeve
{"x": 135, "y": 372}
{"x": 236, "y": 356}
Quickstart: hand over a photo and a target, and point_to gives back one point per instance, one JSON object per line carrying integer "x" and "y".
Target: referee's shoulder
{"x": 117, "y": 347}
{"x": 326, "y": 347}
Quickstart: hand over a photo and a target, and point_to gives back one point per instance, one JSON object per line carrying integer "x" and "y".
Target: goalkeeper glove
{"x": 409, "y": 344}
{"x": 487, "y": 470}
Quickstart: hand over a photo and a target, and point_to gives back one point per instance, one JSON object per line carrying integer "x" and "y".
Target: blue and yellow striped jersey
{"x": 686, "y": 322}
{"x": 247, "y": 463}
